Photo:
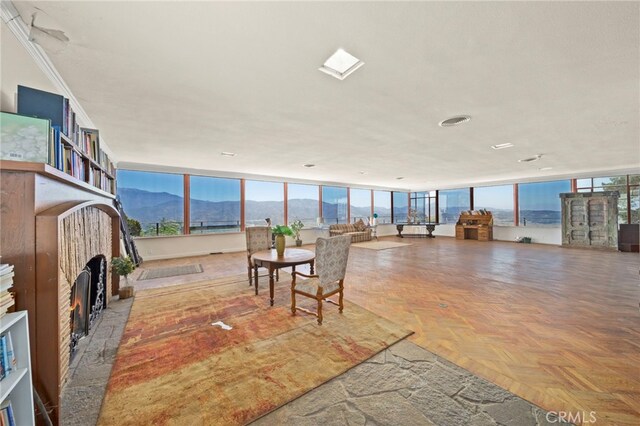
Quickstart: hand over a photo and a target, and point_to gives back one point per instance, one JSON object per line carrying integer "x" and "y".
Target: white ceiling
{"x": 176, "y": 83}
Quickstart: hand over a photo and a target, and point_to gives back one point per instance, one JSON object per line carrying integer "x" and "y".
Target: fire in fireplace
{"x": 88, "y": 299}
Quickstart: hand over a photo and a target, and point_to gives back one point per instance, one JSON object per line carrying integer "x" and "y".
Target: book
{"x": 11, "y": 356}
{"x": 3, "y": 361}
{"x": 41, "y": 104}
{"x": 6, "y": 414}
{"x": 24, "y": 138}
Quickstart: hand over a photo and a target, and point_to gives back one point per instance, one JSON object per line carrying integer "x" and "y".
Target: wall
{"x": 154, "y": 248}
{"x": 511, "y": 233}
{"x": 17, "y": 67}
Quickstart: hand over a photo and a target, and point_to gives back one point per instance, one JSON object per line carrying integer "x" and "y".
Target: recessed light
{"x": 308, "y": 165}
{"x": 454, "y": 121}
{"x": 400, "y": 178}
{"x": 362, "y": 173}
{"x": 530, "y": 159}
{"x": 542, "y": 169}
{"x": 502, "y": 145}
{"x": 341, "y": 64}
{"x": 228, "y": 154}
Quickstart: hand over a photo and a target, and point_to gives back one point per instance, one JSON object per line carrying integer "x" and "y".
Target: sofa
{"x": 358, "y": 231}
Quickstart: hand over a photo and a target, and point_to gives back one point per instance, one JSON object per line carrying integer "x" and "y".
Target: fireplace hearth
{"x": 88, "y": 300}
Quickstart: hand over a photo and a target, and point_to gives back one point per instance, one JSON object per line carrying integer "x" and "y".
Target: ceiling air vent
{"x": 454, "y": 121}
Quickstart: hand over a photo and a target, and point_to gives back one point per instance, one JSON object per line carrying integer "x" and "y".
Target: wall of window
{"x": 382, "y": 206}
{"x": 424, "y": 203}
{"x": 539, "y": 203}
{"x": 263, "y": 200}
{"x": 360, "y": 200}
{"x": 214, "y": 205}
{"x": 627, "y": 187}
{"x": 334, "y": 205}
{"x": 302, "y": 204}
{"x": 451, "y": 202}
{"x": 400, "y": 206}
{"x": 155, "y": 200}
{"x": 498, "y": 200}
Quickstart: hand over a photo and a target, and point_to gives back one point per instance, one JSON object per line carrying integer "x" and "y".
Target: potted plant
{"x": 296, "y": 227}
{"x": 123, "y": 266}
{"x": 280, "y": 231}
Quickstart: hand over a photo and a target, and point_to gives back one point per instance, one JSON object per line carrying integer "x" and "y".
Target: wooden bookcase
{"x": 475, "y": 227}
{"x": 95, "y": 174}
{"x": 17, "y": 386}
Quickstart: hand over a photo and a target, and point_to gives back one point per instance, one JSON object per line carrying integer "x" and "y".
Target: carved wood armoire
{"x": 590, "y": 219}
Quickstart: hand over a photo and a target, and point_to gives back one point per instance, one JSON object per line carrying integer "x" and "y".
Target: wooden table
{"x": 269, "y": 259}
{"x": 430, "y": 227}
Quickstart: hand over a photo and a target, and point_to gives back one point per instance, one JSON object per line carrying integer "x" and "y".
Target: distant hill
{"x": 151, "y": 207}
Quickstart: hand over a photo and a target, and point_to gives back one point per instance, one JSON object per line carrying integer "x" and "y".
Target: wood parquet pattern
{"x": 558, "y": 327}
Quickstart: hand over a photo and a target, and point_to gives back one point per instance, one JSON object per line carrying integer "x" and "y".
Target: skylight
{"x": 341, "y": 64}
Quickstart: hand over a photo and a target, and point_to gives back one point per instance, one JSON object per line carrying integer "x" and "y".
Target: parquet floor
{"x": 558, "y": 327}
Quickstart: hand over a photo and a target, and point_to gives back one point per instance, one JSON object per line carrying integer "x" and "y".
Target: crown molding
{"x": 11, "y": 17}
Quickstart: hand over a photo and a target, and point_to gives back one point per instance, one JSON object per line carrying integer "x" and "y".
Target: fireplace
{"x": 88, "y": 299}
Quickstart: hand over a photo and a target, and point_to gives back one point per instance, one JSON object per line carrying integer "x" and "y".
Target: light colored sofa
{"x": 350, "y": 229}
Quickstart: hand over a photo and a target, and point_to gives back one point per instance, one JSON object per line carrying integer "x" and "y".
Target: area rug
{"x": 174, "y": 367}
{"x": 379, "y": 245}
{"x": 172, "y": 271}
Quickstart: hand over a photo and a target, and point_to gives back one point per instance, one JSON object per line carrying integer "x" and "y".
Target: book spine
{"x": 11, "y": 356}
{"x": 3, "y": 366}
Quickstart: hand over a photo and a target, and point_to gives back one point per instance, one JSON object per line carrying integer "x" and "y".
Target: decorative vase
{"x": 298, "y": 242}
{"x": 280, "y": 245}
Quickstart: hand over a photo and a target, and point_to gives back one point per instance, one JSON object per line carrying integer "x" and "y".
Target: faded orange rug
{"x": 174, "y": 367}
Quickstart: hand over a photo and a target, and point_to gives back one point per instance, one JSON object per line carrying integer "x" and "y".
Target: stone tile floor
{"x": 408, "y": 385}
{"x": 403, "y": 385}
{"x": 91, "y": 366}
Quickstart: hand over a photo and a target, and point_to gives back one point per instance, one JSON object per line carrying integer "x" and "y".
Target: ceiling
{"x": 177, "y": 83}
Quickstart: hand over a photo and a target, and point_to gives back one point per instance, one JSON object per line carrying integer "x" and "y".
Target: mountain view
{"x": 150, "y": 208}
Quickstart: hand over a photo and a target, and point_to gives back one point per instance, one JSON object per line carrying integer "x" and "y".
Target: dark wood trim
{"x": 628, "y": 199}
{"x": 437, "y": 206}
{"x": 320, "y": 201}
{"x": 51, "y": 172}
{"x": 574, "y": 185}
{"x": 242, "y": 222}
{"x": 393, "y": 216}
{"x": 471, "y": 200}
{"x": 187, "y": 204}
{"x": 348, "y": 205}
{"x": 516, "y": 206}
{"x": 286, "y": 203}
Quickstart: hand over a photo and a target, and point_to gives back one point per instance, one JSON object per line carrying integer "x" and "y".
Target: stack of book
{"x": 6, "y": 414}
{"x": 6, "y": 282}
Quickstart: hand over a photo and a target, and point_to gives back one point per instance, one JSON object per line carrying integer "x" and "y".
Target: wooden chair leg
{"x": 340, "y": 303}
{"x": 249, "y": 273}
{"x": 277, "y": 274}
{"x": 293, "y": 302}
{"x": 319, "y": 311}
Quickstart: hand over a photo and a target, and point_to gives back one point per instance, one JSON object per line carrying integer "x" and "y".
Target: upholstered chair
{"x": 258, "y": 239}
{"x": 331, "y": 265}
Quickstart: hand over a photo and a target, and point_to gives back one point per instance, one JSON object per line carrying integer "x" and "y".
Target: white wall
{"x": 17, "y": 67}
{"x": 511, "y": 233}
{"x": 154, "y": 248}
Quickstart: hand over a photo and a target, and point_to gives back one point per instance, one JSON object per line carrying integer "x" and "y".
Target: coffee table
{"x": 269, "y": 259}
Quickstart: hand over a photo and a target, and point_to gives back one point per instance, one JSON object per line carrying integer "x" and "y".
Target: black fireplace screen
{"x": 88, "y": 299}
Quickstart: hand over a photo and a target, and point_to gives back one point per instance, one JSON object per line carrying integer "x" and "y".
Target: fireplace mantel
{"x": 51, "y": 225}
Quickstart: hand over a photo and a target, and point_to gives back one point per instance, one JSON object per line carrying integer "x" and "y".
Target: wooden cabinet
{"x": 590, "y": 219}
{"x": 475, "y": 227}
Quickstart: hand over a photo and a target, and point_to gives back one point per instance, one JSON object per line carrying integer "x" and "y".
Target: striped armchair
{"x": 351, "y": 230}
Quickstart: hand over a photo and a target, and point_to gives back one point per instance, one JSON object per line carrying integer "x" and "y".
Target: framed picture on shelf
{"x": 24, "y": 138}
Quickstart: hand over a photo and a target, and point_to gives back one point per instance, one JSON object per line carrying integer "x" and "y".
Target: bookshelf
{"x": 72, "y": 149}
{"x": 17, "y": 387}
